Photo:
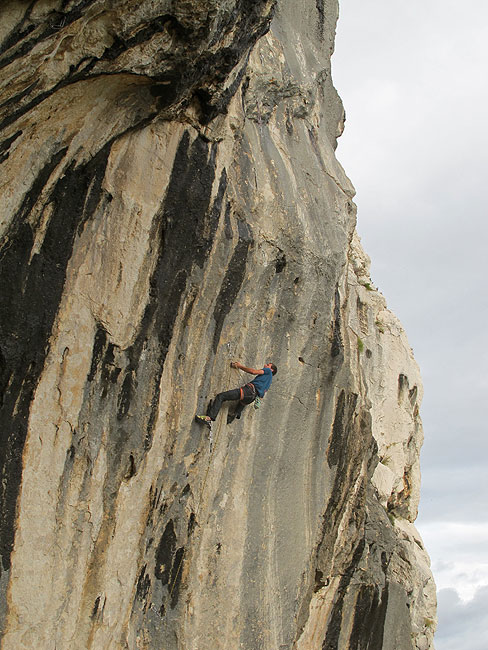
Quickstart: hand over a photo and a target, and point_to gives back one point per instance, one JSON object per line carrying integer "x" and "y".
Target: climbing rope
{"x": 213, "y": 447}
{"x": 198, "y": 509}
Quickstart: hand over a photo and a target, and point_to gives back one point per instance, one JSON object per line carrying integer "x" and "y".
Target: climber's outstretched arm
{"x": 251, "y": 371}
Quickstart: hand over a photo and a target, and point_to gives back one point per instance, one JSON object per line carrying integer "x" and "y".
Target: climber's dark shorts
{"x": 245, "y": 395}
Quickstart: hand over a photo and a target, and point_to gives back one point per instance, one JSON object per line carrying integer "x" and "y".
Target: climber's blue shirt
{"x": 263, "y": 382}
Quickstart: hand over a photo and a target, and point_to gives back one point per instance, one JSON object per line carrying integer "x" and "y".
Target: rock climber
{"x": 245, "y": 394}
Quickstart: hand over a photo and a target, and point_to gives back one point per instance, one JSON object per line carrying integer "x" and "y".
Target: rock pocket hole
{"x": 95, "y": 606}
{"x": 319, "y": 580}
{"x": 280, "y": 264}
{"x": 191, "y": 523}
{"x": 131, "y": 470}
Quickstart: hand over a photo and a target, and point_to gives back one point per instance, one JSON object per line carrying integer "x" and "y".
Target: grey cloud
{"x": 462, "y": 625}
{"x": 465, "y": 504}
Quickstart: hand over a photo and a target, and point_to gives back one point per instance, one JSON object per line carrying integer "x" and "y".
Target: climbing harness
{"x": 250, "y": 397}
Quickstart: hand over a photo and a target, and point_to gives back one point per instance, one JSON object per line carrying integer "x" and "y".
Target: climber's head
{"x": 274, "y": 369}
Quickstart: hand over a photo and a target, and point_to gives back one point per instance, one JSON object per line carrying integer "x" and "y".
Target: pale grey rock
{"x": 171, "y": 200}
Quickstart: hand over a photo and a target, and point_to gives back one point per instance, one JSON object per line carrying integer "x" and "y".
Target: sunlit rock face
{"x": 171, "y": 201}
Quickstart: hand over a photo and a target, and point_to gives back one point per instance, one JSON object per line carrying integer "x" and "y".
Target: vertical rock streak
{"x": 32, "y": 289}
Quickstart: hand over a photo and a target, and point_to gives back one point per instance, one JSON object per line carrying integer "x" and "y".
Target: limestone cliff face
{"x": 171, "y": 201}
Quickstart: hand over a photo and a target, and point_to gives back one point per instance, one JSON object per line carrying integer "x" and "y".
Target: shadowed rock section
{"x": 171, "y": 201}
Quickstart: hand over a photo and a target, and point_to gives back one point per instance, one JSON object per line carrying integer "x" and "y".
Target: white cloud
{"x": 462, "y": 625}
{"x": 460, "y": 560}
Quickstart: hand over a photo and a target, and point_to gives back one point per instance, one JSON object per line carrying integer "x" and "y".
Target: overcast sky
{"x": 413, "y": 79}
